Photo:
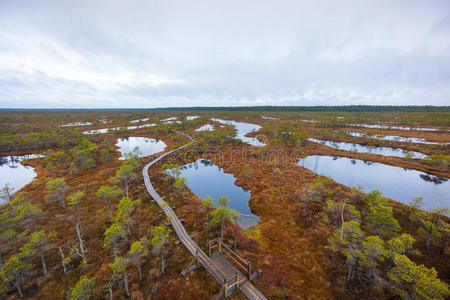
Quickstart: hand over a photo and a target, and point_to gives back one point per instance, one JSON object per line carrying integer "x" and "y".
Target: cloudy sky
{"x": 132, "y": 53}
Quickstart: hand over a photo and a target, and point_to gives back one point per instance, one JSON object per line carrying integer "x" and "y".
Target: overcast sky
{"x": 131, "y": 53}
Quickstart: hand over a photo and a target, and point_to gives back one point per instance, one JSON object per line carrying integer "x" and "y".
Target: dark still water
{"x": 396, "y": 183}
{"x": 205, "y": 178}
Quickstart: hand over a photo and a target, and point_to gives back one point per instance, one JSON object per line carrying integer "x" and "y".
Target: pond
{"x": 387, "y": 151}
{"x": 394, "y": 138}
{"x": 105, "y": 130}
{"x": 206, "y": 127}
{"x": 396, "y": 183}
{"x": 394, "y": 127}
{"x": 242, "y": 130}
{"x": 169, "y": 119}
{"x": 77, "y": 124}
{"x": 147, "y": 146}
{"x": 190, "y": 118}
{"x": 14, "y": 173}
{"x": 205, "y": 178}
{"x": 140, "y": 120}
{"x": 269, "y": 118}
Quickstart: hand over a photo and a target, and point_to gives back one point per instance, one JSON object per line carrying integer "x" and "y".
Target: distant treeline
{"x": 349, "y": 108}
{"x": 322, "y": 108}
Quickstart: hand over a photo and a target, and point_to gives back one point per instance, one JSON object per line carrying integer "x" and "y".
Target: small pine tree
{"x": 55, "y": 191}
{"x": 160, "y": 237}
{"x": 112, "y": 235}
{"x": 107, "y": 194}
{"x": 138, "y": 250}
{"x": 83, "y": 289}
{"x": 119, "y": 269}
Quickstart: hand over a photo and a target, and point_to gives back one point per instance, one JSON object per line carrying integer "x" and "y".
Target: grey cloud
{"x": 179, "y": 53}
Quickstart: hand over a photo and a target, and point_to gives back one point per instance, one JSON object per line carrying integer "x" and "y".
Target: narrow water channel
{"x": 243, "y": 129}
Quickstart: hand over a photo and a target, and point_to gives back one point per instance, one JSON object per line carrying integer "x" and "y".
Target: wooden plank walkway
{"x": 219, "y": 268}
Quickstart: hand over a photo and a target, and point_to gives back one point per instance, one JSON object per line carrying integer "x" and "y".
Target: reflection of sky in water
{"x": 396, "y": 183}
{"x": 367, "y": 149}
{"x": 205, "y": 178}
{"x": 14, "y": 173}
{"x": 105, "y": 130}
{"x": 394, "y": 138}
{"x": 394, "y": 127}
{"x": 139, "y": 120}
{"x": 206, "y": 127}
{"x": 147, "y": 146}
{"x": 242, "y": 130}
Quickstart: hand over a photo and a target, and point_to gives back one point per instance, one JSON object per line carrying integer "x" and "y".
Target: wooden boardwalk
{"x": 219, "y": 268}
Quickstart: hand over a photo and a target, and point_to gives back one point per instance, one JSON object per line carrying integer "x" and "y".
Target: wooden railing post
{"x": 220, "y": 245}
{"x": 225, "y": 286}
{"x": 249, "y": 270}
{"x": 237, "y": 280}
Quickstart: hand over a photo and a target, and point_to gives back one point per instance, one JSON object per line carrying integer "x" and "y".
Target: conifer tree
{"x": 83, "y": 289}
{"x": 108, "y": 193}
{"x": 56, "y": 191}
{"x": 138, "y": 250}
{"x": 119, "y": 270}
{"x": 208, "y": 203}
{"x": 160, "y": 237}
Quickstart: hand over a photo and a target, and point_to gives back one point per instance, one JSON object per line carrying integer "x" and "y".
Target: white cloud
{"x": 185, "y": 53}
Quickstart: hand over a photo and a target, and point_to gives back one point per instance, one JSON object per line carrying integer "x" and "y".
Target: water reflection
{"x": 206, "y": 127}
{"x": 397, "y": 183}
{"x": 105, "y": 130}
{"x": 139, "y": 120}
{"x": 387, "y": 151}
{"x": 14, "y": 173}
{"x": 203, "y": 177}
{"x": 146, "y": 146}
{"x": 394, "y": 138}
{"x": 395, "y": 127}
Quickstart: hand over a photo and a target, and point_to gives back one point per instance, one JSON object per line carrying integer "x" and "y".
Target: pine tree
{"x": 160, "y": 237}
{"x": 409, "y": 280}
{"x": 382, "y": 220}
{"x": 124, "y": 210}
{"x": 15, "y": 271}
{"x": 119, "y": 269}
{"x": 83, "y": 289}
{"x": 56, "y": 189}
{"x": 138, "y": 250}
{"x": 6, "y": 192}
{"x": 75, "y": 200}
{"x": 39, "y": 243}
{"x": 108, "y": 193}
{"x": 112, "y": 235}
{"x": 126, "y": 174}
{"x": 234, "y": 216}
{"x": 433, "y": 227}
{"x": 208, "y": 203}
{"x": 347, "y": 241}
